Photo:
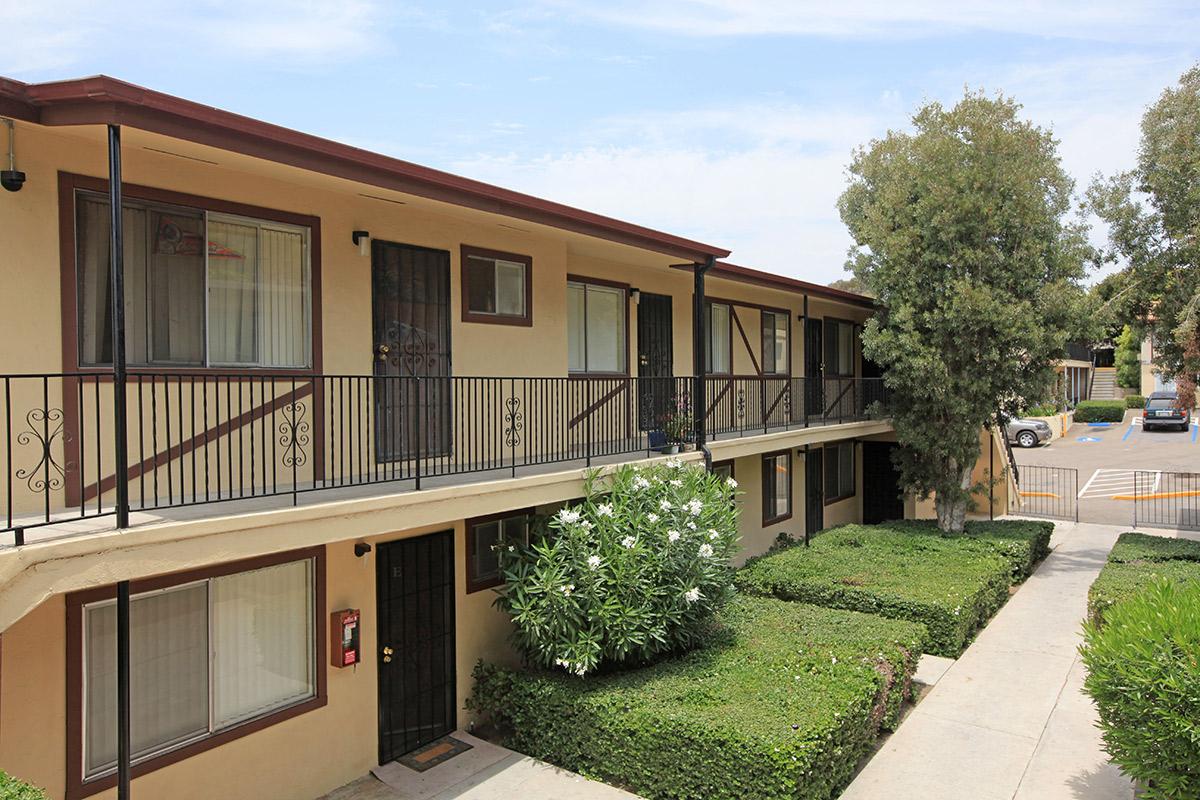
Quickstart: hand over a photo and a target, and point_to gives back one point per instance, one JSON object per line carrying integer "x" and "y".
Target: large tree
{"x": 961, "y": 231}
{"x": 1153, "y": 216}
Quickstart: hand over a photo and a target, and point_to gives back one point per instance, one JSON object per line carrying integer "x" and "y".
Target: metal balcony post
{"x": 699, "y": 338}
{"x": 121, "y": 452}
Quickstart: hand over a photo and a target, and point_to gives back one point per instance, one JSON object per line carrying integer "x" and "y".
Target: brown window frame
{"x": 767, "y": 494}
{"x": 77, "y": 787}
{"x": 474, "y": 584}
{"x": 584, "y": 373}
{"x": 467, "y": 251}
{"x": 787, "y": 350}
{"x": 825, "y": 470}
{"x": 70, "y": 183}
{"x": 728, "y": 462}
{"x": 708, "y": 339}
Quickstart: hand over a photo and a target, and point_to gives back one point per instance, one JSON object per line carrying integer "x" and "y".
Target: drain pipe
{"x": 699, "y": 337}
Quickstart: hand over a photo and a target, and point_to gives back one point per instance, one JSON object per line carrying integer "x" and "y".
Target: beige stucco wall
{"x": 302, "y": 757}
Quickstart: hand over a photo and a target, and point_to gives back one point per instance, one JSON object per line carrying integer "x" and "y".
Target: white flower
{"x": 674, "y": 463}
{"x": 568, "y": 516}
{"x": 676, "y": 482}
{"x": 691, "y": 525}
{"x": 712, "y": 534}
{"x": 672, "y": 536}
{"x": 706, "y": 550}
{"x": 665, "y": 505}
{"x": 731, "y": 483}
{"x": 593, "y": 562}
{"x": 570, "y": 587}
{"x": 587, "y": 526}
{"x": 511, "y": 548}
{"x": 604, "y": 509}
{"x": 629, "y": 541}
{"x": 652, "y": 517}
{"x": 641, "y": 483}
{"x": 692, "y": 595}
{"x": 695, "y": 506}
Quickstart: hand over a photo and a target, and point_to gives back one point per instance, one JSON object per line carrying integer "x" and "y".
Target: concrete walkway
{"x": 1009, "y": 720}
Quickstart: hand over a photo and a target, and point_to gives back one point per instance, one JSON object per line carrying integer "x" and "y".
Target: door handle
{"x": 387, "y": 651}
{"x": 383, "y": 351}
{"x": 387, "y": 655}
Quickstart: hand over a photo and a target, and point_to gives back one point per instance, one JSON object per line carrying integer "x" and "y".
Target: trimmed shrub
{"x": 1044, "y": 410}
{"x": 1023, "y": 542}
{"x": 14, "y": 789}
{"x": 1135, "y": 401}
{"x": 1100, "y": 411}
{"x": 1144, "y": 674}
{"x": 780, "y": 702}
{"x": 635, "y": 571}
{"x": 901, "y": 570}
{"x": 1136, "y": 561}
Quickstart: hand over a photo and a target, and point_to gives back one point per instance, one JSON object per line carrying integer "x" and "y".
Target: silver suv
{"x": 1027, "y": 432}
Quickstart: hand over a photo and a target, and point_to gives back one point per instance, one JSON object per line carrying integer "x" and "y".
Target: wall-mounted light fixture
{"x": 361, "y": 549}
{"x": 635, "y": 294}
{"x": 362, "y": 240}
{"x": 12, "y": 178}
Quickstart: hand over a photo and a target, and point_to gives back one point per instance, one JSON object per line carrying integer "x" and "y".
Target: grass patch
{"x": 1135, "y": 561}
{"x": 782, "y": 702}
{"x": 907, "y": 570}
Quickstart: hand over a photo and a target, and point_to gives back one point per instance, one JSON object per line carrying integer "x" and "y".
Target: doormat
{"x": 434, "y": 753}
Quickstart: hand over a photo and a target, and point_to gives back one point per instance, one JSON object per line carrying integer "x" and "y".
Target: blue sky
{"x": 730, "y": 122}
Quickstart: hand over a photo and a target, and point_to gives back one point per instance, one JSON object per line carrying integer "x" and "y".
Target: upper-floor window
{"x": 596, "y": 327}
{"x": 775, "y": 359}
{"x": 201, "y": 288}
{"x": 496, "y": 287}
{"x": 840, "y": 347}
{"x": 718, "y": 350}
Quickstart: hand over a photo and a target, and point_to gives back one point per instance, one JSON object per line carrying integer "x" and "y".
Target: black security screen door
{"x": 814, "y": 371}
{"x": 882, "y": 500}
{"x": 411, "y": 306}
{"x": 814, "y": 497}
{"x": 415, "y": 588}
{"x": 655, "y": 362}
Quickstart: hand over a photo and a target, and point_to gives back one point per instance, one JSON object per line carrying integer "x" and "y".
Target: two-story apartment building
{"x": 346, "y": 376}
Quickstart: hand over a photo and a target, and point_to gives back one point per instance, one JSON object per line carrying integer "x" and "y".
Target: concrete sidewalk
{"x": 1009, "y": 720}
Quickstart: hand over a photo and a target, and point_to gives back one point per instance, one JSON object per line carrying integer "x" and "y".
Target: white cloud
{"x": 1105, "y": 20}
{"x": 58, "y": 34}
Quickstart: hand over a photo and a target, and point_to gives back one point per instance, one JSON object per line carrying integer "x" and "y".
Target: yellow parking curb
{"x": 1155, "y": 496}
{"x": 1038, "y": 494}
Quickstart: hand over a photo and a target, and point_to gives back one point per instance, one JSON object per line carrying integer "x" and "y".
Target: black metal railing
{"x": 206, "y": 438}
{"x": 1166, "y": 499}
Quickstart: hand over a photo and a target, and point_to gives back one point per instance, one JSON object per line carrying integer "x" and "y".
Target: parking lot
{"x": 1107, "y": 457}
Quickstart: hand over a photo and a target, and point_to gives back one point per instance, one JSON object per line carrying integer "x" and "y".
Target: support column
{"x": 699, "y": 368}
{"x": 120, "y": 424}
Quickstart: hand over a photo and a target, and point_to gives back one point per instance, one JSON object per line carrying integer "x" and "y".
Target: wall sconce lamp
{"x": 362, "y": 240}
{"x": 361, "y": 549}
{"x": 635, "y": 294}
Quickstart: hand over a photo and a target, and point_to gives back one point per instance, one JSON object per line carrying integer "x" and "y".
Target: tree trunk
{"x": 952, "y": 509}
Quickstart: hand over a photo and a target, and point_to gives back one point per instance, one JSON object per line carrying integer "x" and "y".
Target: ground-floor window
{"x": 839, "y": 472}
{"x": 484, "y": 535}
{"x": 207, "y": 655}
{"x": 777, "y": 487}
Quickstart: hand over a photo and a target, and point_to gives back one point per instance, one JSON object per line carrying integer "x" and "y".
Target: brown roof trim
{"x": 101, "y": 100}
{"x": 734, "y": 272}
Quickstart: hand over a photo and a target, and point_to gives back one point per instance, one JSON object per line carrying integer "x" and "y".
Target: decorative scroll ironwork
{"x": 514, "y": 421}
{"x": 47, "y": 474}
{"x": 294, "y": 435}
{"x": 741, "y": 404}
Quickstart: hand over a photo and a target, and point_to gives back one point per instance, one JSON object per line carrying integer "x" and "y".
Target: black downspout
{"x": 699, "y": 337}
{"x": 116, "y": 256}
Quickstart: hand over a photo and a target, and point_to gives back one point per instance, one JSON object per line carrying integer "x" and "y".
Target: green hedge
{"x": 1144, "y": 674}
{"x": 1136, "y": 561}
{"x": 904, "y": 570}
{"x": 782, "y": 702}
{"x": 1135, "y": 401}
{"x": 1100, "y": 411}
{"x": 14, "y": 789}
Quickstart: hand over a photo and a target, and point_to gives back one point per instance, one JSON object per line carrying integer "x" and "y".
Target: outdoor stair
{"x": 1104, "y": 384}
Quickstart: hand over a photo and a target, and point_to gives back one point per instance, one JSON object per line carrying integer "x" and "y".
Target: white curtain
{"x": 95, "y": 295}
{"x": 718, "y": 337}
{"x": 576, "y": 337}
{"x": 283, "y": 282}
{"x": 168, "y": 673}
{"x": 605, "y": 329}
{"x": 173, "y": 247}
{"x": 262, "y": 641}
{"x": 510, "y": 288}
{"x": 232, "y": 295}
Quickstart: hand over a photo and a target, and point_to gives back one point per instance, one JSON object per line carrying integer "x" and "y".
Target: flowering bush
{"x": 634, "y": 571}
